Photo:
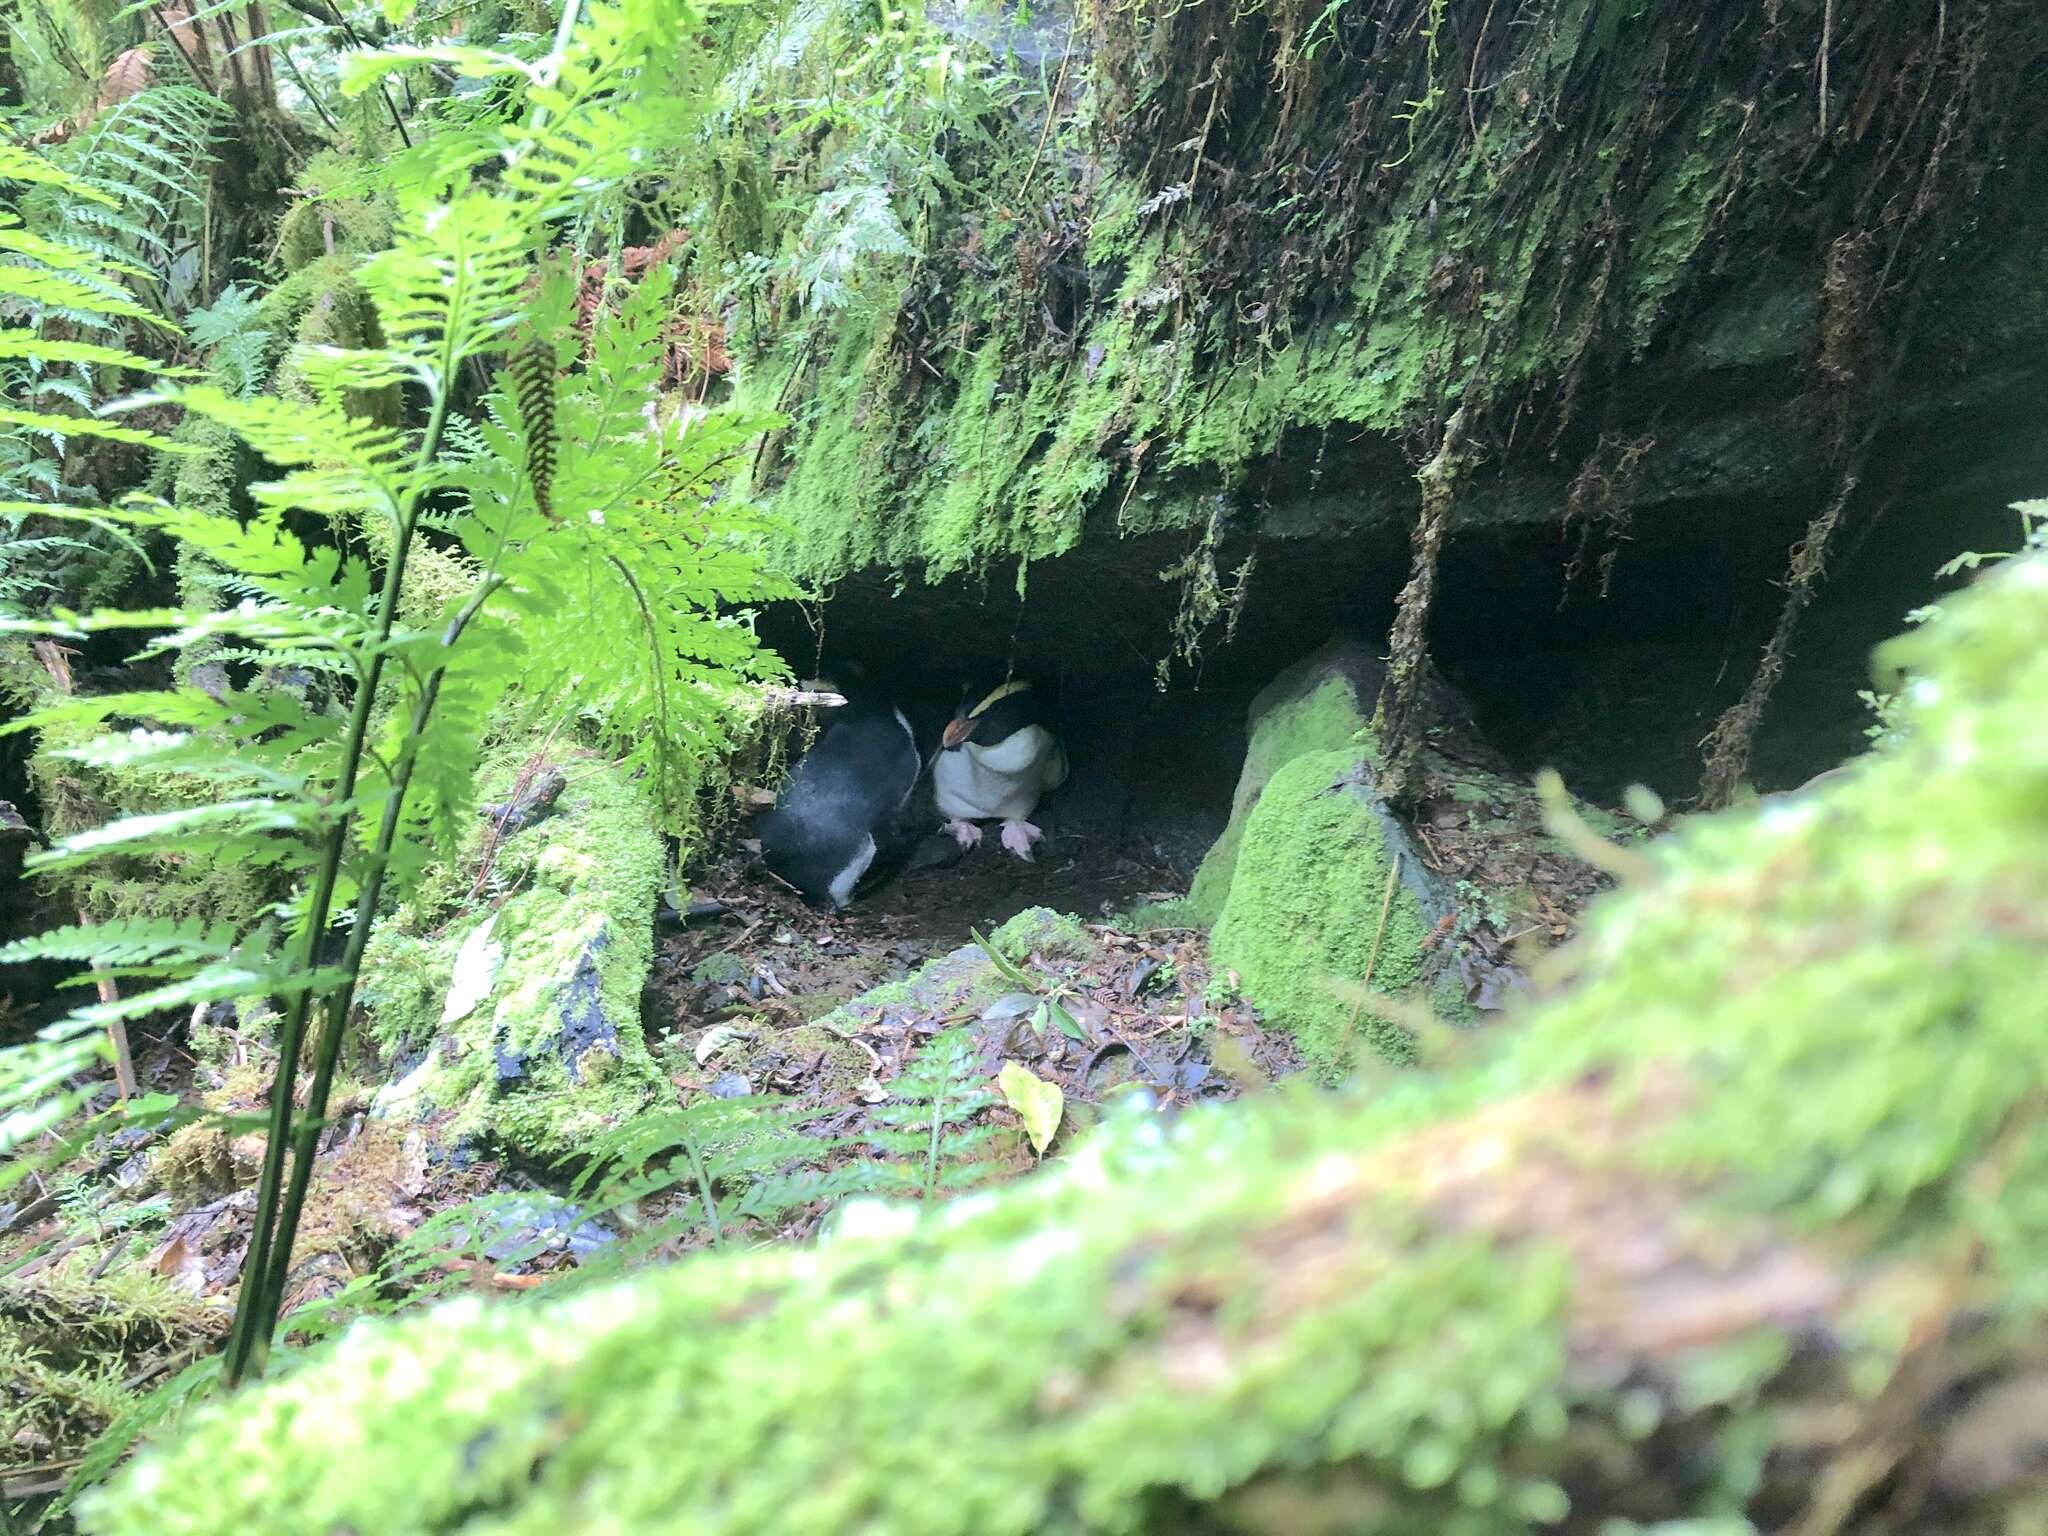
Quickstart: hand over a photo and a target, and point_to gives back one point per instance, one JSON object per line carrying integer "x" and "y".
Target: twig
{"x": 117, "y": 1031}
{"x": 1827, "y": 44}
{"x": 1052, "y": 105}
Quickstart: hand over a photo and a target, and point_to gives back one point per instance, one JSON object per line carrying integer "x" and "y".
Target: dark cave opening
{"x": 1612, "y": 687}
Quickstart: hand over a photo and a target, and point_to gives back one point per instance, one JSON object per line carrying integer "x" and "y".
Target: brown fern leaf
{"x": 533, "y": 384}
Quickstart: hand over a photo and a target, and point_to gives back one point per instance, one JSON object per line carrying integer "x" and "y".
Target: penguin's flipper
{"x": 1056, "y": 765}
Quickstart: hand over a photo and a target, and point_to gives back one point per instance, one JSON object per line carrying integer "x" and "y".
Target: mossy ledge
{"x": 1371, "y": 217}
{"x": 1607, "y": 1271}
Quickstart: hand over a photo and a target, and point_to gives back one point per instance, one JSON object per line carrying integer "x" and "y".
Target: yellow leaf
{"x": 1037, "y": 1102}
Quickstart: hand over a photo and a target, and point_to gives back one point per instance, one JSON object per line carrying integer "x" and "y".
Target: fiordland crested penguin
{"x": 996, "y": 759}
{"x": 844, "y": 800}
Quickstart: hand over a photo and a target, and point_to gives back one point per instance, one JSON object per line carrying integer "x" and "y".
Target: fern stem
{"x": 704, "y": 1192}
{"x": 256, "y": 1307}
{"x": 931, "y": 1158}
{"x": 342, "y": 999}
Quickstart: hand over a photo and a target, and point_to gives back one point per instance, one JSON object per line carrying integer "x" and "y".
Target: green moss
{"x": 1041, "y": 931}
{"x": 340, "y": 314}
{"x": 980, "y": 408}
{"x": 285, "y": 307}
{"x": 1303, "y": 913}
{"x": 554, "y": 1053}
{"x": 720, "y": 968}
{"x": 72, "y": 1342}
{"x": 1824, "y": 1015}
{"x": 316, "y": 228}
{"x": 1323, "y": 718}
{"x": 1157, "y": 916}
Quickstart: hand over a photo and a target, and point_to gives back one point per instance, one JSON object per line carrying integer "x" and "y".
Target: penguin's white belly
{"x": 1002, "y": 782}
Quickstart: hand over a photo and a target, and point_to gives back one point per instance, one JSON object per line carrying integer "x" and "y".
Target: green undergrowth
{"x": 552, "y": 1054}
{"x": 1823, "y": 1014}
{"x": 73, "y": 1345}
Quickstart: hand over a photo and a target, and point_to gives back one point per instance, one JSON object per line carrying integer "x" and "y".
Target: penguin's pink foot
{"x": 1019, "y": 836}
{"x": 967, "y": 834}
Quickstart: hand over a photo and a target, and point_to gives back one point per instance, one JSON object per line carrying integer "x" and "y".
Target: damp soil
{"x": 813, "y": 961}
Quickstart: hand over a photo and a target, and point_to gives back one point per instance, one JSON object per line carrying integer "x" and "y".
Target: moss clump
{"x": 340, "y": 314}
{"x": 1451, "y": 1301}
{"x": 726, "y": 969}
{"x": 320, "y": 227}
{"x": 553, "y": 1053}
{"x": 69, "y": 1344}
{"x": 1305, "y": 709}
{"x": 1041, "y": 931}
{"x": 1316, "y": 903}
{"x": 197, "y": 1164}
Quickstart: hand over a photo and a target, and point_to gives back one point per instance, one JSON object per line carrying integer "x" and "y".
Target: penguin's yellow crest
{"x": 1000, "y": 694}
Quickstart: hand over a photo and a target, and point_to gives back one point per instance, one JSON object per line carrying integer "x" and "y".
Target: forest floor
{"x": 122, "y": 1271}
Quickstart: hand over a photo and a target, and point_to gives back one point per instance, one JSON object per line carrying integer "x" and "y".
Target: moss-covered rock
{"x": 1316, "y": 885}
{"x": 1319, "y": 887}
{"x": 1318, "y": 902}
{"x": 544, "y": 1048}
{"x": 1323, "y": 703}
{"x": 1757, "y": 1195}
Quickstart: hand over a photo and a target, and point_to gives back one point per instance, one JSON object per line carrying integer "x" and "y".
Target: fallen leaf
{"x": 1009, "y": 1007}
{"x": 717, "y": 1040}
{"x": 1037, "y": 1102}
{"x": 179, "y": 1261}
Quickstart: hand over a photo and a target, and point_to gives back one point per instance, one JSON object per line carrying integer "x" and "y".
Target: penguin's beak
{"x": 958, "y": 730}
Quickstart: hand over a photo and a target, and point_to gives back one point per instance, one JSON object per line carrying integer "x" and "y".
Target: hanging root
{"x": 1597, "y": 505}
{"x": 1204, "y": 598}
{"x": 1728, "y": 744}
{"x": 1408, "y": 643}
{"x": 1858, "y": 376}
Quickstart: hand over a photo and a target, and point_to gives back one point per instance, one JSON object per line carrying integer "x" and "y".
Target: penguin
{"x": 844, "y": 803}
{"x": 995, "y": 759}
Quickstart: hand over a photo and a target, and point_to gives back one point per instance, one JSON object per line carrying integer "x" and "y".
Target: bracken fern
{"x": 614, "y": 606}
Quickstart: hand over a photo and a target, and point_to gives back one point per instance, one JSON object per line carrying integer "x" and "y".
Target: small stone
{"x": 731, "y": 1085}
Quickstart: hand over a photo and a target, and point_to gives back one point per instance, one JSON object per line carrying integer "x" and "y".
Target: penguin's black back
{"x": 849, "y": 788}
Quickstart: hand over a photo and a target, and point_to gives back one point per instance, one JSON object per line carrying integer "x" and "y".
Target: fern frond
{"x": 17, "y": 164}
{"x": 85, "y": 426}
{"x": 35, "y": 286}
{"x": 247, "y": 825}
{"x": 138, "y": 942}
{"x": 928, "y": 1122}
{"x": 19, "y": 344}
{"x": 532, "y": 369}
